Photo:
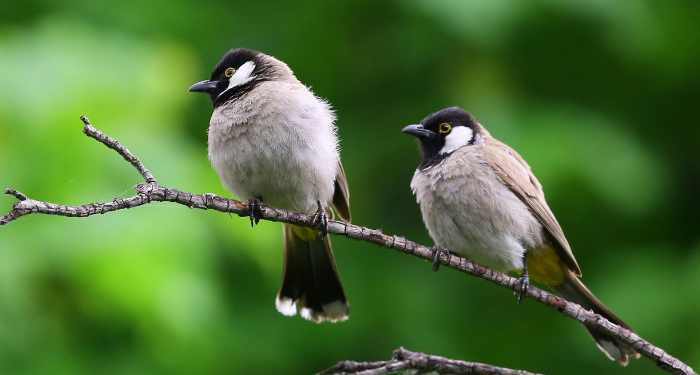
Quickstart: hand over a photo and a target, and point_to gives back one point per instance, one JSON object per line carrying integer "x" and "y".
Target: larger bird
{"x": 479, "y": 199}
{"x": 272, "y": 140}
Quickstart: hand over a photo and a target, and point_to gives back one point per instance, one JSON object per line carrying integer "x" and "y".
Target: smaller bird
{"x": 272, "y": 140}
{"x": 480, "y": 200}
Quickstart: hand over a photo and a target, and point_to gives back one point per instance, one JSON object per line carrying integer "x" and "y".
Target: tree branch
{"x": 151, "y": 191}
{"x": 403, "y": 360}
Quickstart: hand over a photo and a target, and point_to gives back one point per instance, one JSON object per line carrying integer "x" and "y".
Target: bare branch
{"x": 403, "y": 360}
{"x": 112, "y": 143}
{"x": 150, "y": 191}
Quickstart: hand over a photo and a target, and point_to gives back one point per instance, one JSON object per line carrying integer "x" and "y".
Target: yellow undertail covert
{"x": 545, "y": 267}
{"x": 308, "y": 234}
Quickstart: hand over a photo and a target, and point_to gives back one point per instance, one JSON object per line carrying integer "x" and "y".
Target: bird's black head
{"x": 443, "y": 132}
{"x": 237, "y": 73}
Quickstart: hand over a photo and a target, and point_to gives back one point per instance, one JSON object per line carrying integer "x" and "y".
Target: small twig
{"x": 407, "y": 360}
{"x": 150, "y": 191}
{"x": 16, "y": 193}
{"x": 112, "y": 143}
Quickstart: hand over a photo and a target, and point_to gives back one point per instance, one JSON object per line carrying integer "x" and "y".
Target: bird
{"x": 272, "y": 140}
{"x": 479, "y": 199}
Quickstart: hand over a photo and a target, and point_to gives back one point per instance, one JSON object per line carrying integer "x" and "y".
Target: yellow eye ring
{"x": 229, "y": 72}
{"x": 445, "y": 128}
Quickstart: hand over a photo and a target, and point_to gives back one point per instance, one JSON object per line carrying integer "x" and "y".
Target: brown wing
{"x": 341, "y": 196}
{"x": 516, "y": 174}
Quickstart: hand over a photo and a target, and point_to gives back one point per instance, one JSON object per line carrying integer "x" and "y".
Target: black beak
{"x": 418, "y": 130}
{"x": 203, "y": 86}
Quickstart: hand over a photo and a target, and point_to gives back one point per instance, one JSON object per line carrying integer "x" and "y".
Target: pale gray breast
{"x": 468, "y": 210}
{"x": 278, "y": 142}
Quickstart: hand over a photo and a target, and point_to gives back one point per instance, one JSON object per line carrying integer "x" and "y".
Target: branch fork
{"x": 405, "y": 360}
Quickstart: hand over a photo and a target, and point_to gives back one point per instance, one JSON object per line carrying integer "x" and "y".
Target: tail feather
{"x": 573, "y": 290}
{"x": 310, "y": 278}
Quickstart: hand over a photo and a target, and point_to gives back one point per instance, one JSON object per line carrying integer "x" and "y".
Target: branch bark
{"x": 150, "y": 191}
{"x": 404, "y": 360}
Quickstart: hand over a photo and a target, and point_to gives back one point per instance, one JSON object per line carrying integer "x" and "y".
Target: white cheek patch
{"x": 242, "y": 75}
{"x": 458, "y": 137}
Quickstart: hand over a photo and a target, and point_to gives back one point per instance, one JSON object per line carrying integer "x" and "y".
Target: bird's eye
{"x": 445, "y": 128}
{"x": 229, "y": 72}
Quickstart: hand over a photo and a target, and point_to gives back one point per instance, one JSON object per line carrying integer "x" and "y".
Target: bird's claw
{"x": 255, "y": 212}
{"x": 321, "y": 220}
{"x": 524, "y": 280}
{"x": 437, "y": 250}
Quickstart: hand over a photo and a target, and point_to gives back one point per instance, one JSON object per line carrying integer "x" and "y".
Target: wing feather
{"x": 515, "y": 173}
{"x": 341, "y": 195}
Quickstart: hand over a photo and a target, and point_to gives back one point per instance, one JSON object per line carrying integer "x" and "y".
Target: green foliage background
{"x": 601, "y": 97}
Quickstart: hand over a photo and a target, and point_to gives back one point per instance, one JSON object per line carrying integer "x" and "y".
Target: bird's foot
{"x": 321, "y": 220}
{"x": 437, "y": 250}
{"x": 524, "y": 281}
{"x": 254, "y": 209}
